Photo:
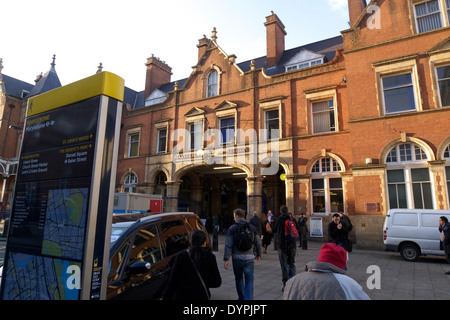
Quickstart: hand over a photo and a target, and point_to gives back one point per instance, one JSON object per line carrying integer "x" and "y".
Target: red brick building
{"x": 14, "y": 94}
{"x": 356, "y": 123}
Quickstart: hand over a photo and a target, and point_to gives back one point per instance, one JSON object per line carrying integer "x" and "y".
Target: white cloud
{"x": 338, "y": 5}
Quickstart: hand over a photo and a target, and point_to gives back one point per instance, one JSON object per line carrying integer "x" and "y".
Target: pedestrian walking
{"x": 286, "y": 246}
{"x": 444, "y": 229}
{"x": 345, "y": 220}
{"x": 194, "y": 272}
{"x": 257, "y": 222}
{"x": 267, "y": 234}
{"x": 303, "y": 231}
{"x": 243, "y": 245}
{"x": 325, "y": 279}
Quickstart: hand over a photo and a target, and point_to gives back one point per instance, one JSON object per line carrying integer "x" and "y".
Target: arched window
{"x": 408, "y": 177}
{"x": 130, "y": 182}
{"x": 447, "y": 170}
{"x": 213, "y": 84}
{"x": 326, "y": 186}
{"x": 160, "y": 184}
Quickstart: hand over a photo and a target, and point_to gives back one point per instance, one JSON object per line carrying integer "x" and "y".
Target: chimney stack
{"x": 202, "y": 46}
{"x": 355, "y": 9}
{"x": 158, "y": 73}
{"x": 275, "y": 32}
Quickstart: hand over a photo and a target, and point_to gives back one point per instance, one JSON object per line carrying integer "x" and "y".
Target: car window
{"x": 116, "y": 261}
{"x": 146, "y": 245}
{"x": 175, "y": 236}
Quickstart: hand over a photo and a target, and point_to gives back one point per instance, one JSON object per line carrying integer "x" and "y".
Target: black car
{"x": 142, "y": 250}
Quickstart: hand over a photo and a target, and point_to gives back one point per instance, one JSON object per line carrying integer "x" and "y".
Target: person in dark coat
{"x": 257, "y": 222}
{"x": 184, "y": 282}
{"x": 338, "y": 232}
{"x": 286, "y": 248}
{"x": 303, "y": 231}
{"x": 444, "y": 229}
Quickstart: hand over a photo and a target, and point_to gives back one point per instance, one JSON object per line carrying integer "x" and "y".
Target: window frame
{"x": 321, "y": 171}
{"x": 233, "y": 138}
{"x": 265, "y": 107}
{"x": 131, "y": 185}
{"x": 396, "y": 67}
{"x": 317, "y": 96}
{"x": 399, "y": 87}
{"x": 128, "y": 144}
{"x": 304, "y": 64}
{"x": 212, "y": 85}
{"x": 330, "y": 110}
{"x": 189, "y": 140}
{"x": 438, "y": 84}
{"x": 444, "y": 12}
{"x": 446, "y": 158}
{"x": 159, "y": 150}
{"x": 267, "y": 132}
{"x": 408, "y": 167}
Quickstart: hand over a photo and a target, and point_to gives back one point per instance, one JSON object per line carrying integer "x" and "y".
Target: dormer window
{"x": 24, "y": 93}
{"x": 304, "y": 59}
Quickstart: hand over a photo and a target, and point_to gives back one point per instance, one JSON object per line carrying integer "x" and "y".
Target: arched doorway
{"x": 274, "y": 192}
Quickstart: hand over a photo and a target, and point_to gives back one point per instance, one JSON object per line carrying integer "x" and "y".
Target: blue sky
{"x": 123, "y": 34}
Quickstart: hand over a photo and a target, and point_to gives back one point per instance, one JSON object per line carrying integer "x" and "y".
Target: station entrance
{"x": 218, "y": 190}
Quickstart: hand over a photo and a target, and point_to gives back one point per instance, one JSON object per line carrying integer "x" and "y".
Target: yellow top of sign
{"x": 103, "y": 83}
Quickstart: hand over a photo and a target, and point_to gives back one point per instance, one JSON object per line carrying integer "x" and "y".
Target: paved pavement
{"x": 424, "y": 279}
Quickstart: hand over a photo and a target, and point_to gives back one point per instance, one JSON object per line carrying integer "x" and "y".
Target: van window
{"x": 146, "y": 246}
{"x": 430, "y": 220}
{"x": 405, "y": 219}
{"x": 175, "y": 236}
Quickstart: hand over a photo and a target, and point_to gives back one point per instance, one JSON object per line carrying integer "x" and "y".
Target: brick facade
{"x": 345, "y": 168}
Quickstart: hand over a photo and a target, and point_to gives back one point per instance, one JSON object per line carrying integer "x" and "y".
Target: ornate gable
{"x": 194, "y": 112}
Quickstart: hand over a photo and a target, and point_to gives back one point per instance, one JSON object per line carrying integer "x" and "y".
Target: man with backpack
{"x": 286, "y": 231}
{"x": 243, "y": 244}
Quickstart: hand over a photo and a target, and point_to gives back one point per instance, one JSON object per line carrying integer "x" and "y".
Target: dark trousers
{"x": 287, "y": 261}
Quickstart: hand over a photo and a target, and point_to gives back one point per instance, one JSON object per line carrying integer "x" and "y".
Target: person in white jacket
{"x": 325, "y": 279}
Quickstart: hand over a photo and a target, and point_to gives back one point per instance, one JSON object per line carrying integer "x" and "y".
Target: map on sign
{"x": 38, "y": 278}
{"x": 65, "y": 223}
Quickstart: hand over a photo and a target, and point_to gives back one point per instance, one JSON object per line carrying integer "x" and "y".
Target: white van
{"x": 413, "y": 232}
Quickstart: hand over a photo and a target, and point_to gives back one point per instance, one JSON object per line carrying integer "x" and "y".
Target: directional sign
{"x": 62, "y": 207}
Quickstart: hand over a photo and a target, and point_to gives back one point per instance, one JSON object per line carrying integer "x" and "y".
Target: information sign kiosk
{"x": 58, "y": 243}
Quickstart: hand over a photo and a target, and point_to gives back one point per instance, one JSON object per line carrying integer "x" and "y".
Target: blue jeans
{"x": 244, "y": 276}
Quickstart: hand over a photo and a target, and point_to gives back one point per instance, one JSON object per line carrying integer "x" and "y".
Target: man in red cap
{"x": 325, "y": 279}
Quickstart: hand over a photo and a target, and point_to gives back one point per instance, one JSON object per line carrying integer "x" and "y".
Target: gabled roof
{"x": 15, "y": 87}
{"x": 325, "y": 48}
{"x": 49, "y": 81}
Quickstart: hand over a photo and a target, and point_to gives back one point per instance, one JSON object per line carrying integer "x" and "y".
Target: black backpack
{"x": 243, "y": 237}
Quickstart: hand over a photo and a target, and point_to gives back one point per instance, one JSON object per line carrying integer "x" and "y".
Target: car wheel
{"x": 410, "y": 252}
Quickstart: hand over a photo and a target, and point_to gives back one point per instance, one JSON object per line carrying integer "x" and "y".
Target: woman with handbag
{"x": 194, "y": 272}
